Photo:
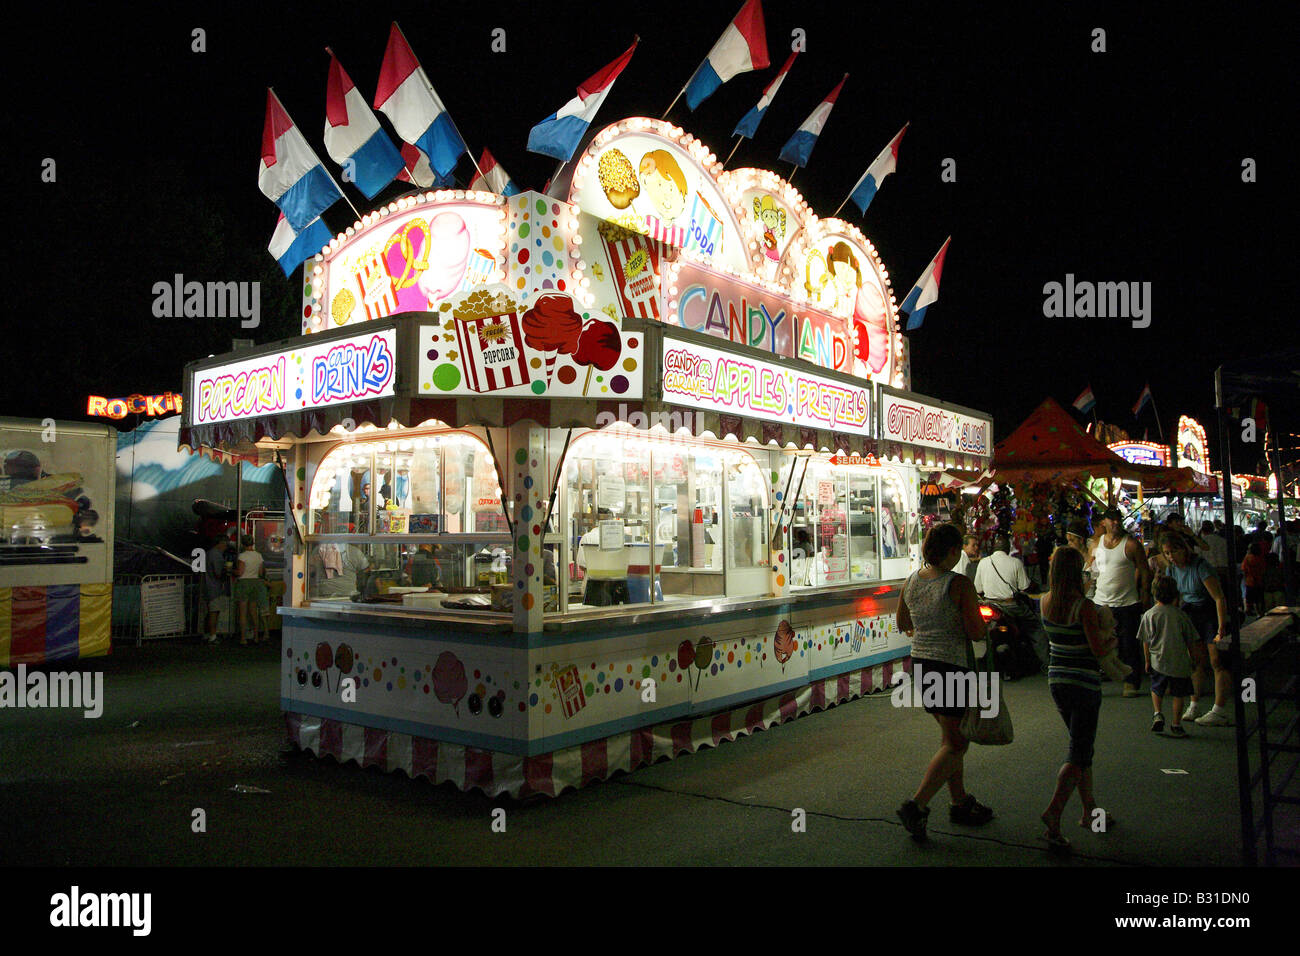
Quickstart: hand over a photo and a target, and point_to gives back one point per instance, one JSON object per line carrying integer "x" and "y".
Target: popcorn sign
{"x": 490, "y": 340}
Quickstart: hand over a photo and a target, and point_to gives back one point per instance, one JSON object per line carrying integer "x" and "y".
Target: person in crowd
{"x": 998, "y": 578}
{"x": 1274, "y": 586}
{"x": 939, "y": 610}
{"x": 1168, "y": 636}
{"x": 1174, "y": 522}
{"x": 1252, "y": 572}
{"x": 970, "y": 555}
{"x": 1205, "y": 603}
{"x": 214, "y": 581}
{"x": 1217, "y": 551}
{"x": 250, "y": 589}
{"x": 1123, "y": 584}
{"x": 1074, "y": 678}
{"x": 422, "y": 570}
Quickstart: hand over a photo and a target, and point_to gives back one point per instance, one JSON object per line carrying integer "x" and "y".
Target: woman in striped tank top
{"x": 1075, "y": 642}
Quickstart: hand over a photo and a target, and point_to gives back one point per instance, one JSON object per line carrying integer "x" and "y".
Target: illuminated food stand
{"x": 586, "y": 483}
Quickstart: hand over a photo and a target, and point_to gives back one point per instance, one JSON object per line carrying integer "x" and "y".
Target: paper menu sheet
{"x": 611, "y": 534}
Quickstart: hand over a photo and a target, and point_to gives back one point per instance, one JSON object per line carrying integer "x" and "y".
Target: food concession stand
{"x": 579, "y": 484}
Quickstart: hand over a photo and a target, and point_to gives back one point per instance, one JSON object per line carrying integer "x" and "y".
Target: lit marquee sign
{"x": 329, "y": 373}
{"x": 708, "y": 378}
{"x": 1141, "y": 453}
{"x": 152, "y": 405}
{"x": 1192, "y": 446}
{"x": 905, "y": 419}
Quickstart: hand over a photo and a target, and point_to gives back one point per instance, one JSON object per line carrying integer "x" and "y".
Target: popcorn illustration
{"x": 490, "y": 339}
{"x": 569, "y": 686}
{"x": 634, "y": 261}
{"x": 377, "y": 294}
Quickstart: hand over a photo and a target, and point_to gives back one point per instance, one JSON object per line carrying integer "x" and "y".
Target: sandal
{"x": 1056, "y": 843}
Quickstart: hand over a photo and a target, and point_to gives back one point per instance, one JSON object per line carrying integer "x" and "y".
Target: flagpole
{"x": 271, "y": 90}
{"x": 451, "y": 119}
{"x": 1157, "y": 411}
{"x": 793, "y": 169}
{"x": 739, "y": 140}
{"x": 678, "y": 96}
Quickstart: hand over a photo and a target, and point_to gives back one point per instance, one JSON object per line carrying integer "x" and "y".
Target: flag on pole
{"x": 799, "y": 147}
{"x": 290, "y": 174}
{"x": 1143, "y": 400}
{"x": 407, "y": 98}
{"x": 353, "y": 137}
{"x": 559, "y": 134}
{"x": 741, "y": 48}
{"x": 1086, "y": 400}
{"x": 417, "y": 171}
{"x": 291, "y": 249}
{"x": 495, "y": 179}
{"x": 882, "y": 166}
{"x": 748, "y": 125}
{"x": 1257, "y": 410}
{"x": 926, "y": 291}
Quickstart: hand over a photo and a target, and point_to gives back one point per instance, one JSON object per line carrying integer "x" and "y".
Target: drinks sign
{"x": 904, "y": 419}
{"x": 719, "y": 381}
{"x": 329, "y": 373}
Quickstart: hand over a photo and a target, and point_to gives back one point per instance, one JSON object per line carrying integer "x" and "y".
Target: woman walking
{"x": 1075, "y": 641}
{"x": 940, "y": 611}
{"x": 1206, "y": 604}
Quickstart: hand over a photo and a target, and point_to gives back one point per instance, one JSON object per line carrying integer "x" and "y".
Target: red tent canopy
{"x": 1050, "y": 446}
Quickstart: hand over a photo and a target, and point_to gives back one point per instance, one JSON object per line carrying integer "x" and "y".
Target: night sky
{"x": 1115, "y": 166}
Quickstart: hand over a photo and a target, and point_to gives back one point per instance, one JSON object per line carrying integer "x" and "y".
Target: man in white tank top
{"x": 1123, "y": 579}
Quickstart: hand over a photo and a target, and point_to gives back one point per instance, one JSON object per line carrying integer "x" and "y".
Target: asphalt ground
{"x": 185, "y": 724}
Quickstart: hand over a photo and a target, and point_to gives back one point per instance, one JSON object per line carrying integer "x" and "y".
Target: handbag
{"x": 991, "y": 731}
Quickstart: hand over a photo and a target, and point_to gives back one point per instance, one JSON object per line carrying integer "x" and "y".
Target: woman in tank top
{"x": 940, "y": 611}
{"x": 1075, "y": 641}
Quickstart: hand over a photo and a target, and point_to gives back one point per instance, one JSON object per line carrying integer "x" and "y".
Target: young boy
{"x": 1167, "y": 635}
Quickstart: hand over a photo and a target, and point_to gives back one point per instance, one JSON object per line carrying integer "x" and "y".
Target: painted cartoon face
{"x": 667, "y": 200}
{"x": 771, "y": 218}
{"x": 845, "y": 277}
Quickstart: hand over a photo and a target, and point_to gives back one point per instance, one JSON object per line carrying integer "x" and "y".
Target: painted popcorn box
{"x": 569, "y": 686}
{"x": 490, "y": 339}
{"x": 634, "y": 262}
{"x": 377, "y": 294}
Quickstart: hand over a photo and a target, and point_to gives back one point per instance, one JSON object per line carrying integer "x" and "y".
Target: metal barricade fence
{"x": 157, "y": 606}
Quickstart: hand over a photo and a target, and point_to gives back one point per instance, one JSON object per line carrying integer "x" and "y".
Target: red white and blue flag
{"x": 495, "y": 179}
{"x": 799, "y": 147}
{"x": 560, "y": 133}
{"x": 865, "y": 189}
{"x": 290, "y": 174}
{"x": 741, "y": 48}
{"x": 1143, "y": 400}
{"x": 1086, "y": 400}
{"x": 748, "y": 125}
{"x": 291, "y": 249}
{"x": 926, "y": 291}
{"x": 353, "y": 137}
{"x": 407, "y": 98}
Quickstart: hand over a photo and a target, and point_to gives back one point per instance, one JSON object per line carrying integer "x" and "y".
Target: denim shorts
{"x": 1205, "y": 618}
{"x": 1079, "y": 707}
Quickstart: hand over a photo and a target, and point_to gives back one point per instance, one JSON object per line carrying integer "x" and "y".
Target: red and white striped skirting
{"x": 550, "y": 774}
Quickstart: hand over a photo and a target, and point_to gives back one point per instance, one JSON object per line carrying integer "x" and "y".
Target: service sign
{"x": 489, "y": 342}
{"x": 330, "y": 373}
{"x": 409, "y": 260}
{"x": 904, "y": 419}
{"x": 718, "y": 381}
{"x": 1141, "y": 452}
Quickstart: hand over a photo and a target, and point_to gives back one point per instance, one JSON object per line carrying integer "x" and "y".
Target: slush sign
{"x": 329, "y": 373}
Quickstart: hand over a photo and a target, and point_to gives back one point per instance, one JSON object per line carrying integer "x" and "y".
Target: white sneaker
{"x": 1191, "y": 712}
{"x": 1213, "y": 720}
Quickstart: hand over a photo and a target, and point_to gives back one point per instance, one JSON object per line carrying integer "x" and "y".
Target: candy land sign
{"x": 489, "y": 343}
{"x": 329, "y": 373}
{"x": 715, "y": 380}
